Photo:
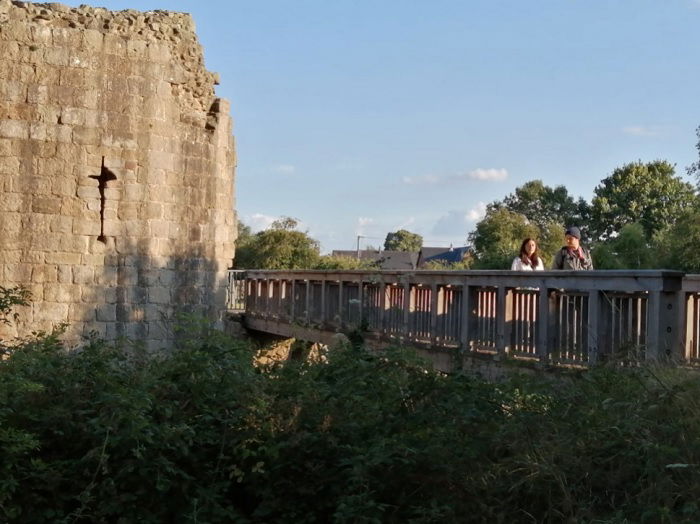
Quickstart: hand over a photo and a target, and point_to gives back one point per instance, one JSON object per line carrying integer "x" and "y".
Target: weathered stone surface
{"x": 82, "y": 88}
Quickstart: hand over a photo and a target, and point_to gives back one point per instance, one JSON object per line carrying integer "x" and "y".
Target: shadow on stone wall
{"x": 138, "y": 297}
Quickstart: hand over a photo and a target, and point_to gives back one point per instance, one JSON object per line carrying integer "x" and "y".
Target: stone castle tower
{"x": 116, "y": 171}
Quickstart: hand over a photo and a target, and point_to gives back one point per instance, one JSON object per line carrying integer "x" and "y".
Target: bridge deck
{"x": 560, "y": 317}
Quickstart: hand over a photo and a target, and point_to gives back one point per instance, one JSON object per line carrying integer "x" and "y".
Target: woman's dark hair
{"x": 533, "y": 259}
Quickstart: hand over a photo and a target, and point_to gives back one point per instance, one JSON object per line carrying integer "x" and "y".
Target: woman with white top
{"x": 529, "y": 258}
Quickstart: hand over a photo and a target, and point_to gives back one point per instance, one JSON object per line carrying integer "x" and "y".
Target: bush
{"x": 111, "y": 434}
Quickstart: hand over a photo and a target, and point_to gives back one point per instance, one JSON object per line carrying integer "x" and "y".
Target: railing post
{"x": 406, "y": 309}
{"x": 504, "y": 318}
{"x": 307, "y": 303}
{"x": 322, "y": 320}
{"x": 292, "y": 309}
{"x": 360, "y": 305}
{"x": 434, "y": 304}
{"x": 382, "y": 308}
{"x": 663, "y": 335}
{"x": 465, "y": 318}
{"x": 689, "y": 317}
{"x": 340, "y": 303}
{"x": 543, "y": 322}
{"x": 593, "y": 325}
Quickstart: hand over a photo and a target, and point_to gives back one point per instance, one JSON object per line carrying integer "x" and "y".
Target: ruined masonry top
{"x": 158, "y": 30}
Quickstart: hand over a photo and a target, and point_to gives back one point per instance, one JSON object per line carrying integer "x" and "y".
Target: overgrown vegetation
{"x": 109, "y": 434}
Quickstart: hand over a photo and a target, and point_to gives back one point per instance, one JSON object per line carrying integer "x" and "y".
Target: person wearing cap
{"x": 573, "y": 256}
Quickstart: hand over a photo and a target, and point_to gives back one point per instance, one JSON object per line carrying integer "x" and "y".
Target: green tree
{"x": 631, "y": 249}
{"x": 694, "y": 168}
{"x": 543, "y": 205}
{"x": 281, "y": 246}
{"x": 677, "y": 246}
{"x": 498, "y": 236}
{"x": 650, "y": 194}
{"x": 334, "y": 262}
{"x": 244, "y": 233}
{"x": 403, "y": 240}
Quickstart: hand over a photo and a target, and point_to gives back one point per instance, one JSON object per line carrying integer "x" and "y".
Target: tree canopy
{"x": 281, "y": 246}
{"x": 646, "y": 193}
{"x": 543, "y": 205}
{"x": 694, "y": 168}
{"x": 403, "y": 240}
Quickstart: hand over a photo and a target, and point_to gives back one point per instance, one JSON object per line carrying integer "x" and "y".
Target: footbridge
{"x": 552, "y": 317}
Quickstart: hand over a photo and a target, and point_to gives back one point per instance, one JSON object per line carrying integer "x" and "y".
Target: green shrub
{"x": 112, "y": 434}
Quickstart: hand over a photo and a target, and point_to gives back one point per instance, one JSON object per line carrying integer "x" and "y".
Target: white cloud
{"x": 459, "y": 222}
{"x": 642, "y": 130}
{"x": 284, "y": 169}
{"x": 453, "y": 223}
{"x": 364, "y": 221}
{"x": 420, "y": 180}
{"x": 491, "y": 175}
{"x": 258, "y": 221}
{"x": 488, "y": 174}
{"x": 406, "y": 223}
{"x": 477, "y": 213}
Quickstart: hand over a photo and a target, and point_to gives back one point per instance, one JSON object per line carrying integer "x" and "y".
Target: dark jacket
{"x": 565, "y": 259}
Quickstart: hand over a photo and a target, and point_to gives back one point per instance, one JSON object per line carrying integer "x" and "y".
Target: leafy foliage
{"x": 677, "y": 246}
{"x": 543, "y": 205}
{"x": 110, "y": 434}
{"x": 403, "y": 240}
{"x": 11, "y": 297}
{"x": 649, "y": 194}
{"x": 498, "y": 236}
{"x": 694, "y": 168}
{"x": 279, "y": 247}
{"x": 631, "y": 249}
{"x": 331, "y": 262}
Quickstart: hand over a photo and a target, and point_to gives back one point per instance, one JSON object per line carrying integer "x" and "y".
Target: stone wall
{"x": 116, "y": 170}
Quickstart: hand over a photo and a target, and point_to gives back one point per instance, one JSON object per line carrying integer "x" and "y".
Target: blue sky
{"x": 363, "y": 117}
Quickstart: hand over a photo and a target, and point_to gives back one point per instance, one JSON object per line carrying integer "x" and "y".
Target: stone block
{"x": 72, "y": 116}
{"x": 159, "y": 295}
{"x": 65, "y": 274}
{"x": 128, "y": 211}
{"x": 106, "y": 313}
{"x": 93, "y": 40}
{"x": 88, "y": 192}
{"x": 10, "y": 202}
{"x": 64, "y": 134}
{"x": 87, "y": 227}
{"x": 152, "y": 210}
{"x": 73, "y": 76}
{"x": 110, "y": 296}
{"x": 63, "y": 186}
{"x": 106, "y": 275}
{"x": 45, "y": 204}
{"x": 35, "y": 223}
{"x": 87, "y": 136}
{"x": 57, "y": 56}
{"x": 81, "y": 312}
{"x": 44, "y": 273}
{"x": 51, "y": 311}
{"x": 137, "y": 330}
{"x": 61, "y": 292}
{"x": 133, "y": 193}
{"x": 37, "y": 94}
{"x": 14, "y": 129}
{"x": 63, "y": 258}
{"x": 127, "y": 276}
{"x": 83, "y": 275}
